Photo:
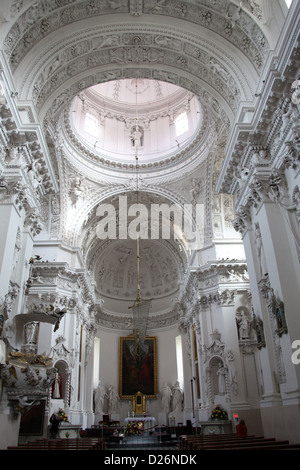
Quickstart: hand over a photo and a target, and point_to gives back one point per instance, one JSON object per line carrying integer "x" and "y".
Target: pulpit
{"x": 139, "y": 404}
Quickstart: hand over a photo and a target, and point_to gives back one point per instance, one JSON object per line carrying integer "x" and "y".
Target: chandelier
{"x": 140, "y": 307}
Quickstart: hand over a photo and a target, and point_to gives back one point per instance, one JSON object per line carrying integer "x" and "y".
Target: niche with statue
{"x": 60, "y": 387}
{"x": 218, "y": 377}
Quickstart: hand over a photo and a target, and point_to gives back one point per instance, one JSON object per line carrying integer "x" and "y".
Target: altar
{"x": 148, "y": 421}
{"x": 68, "y": 430}
{"x": 216, "y": 427}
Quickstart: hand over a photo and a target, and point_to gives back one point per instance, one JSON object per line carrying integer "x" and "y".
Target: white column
{"x": 284, "y": 277}
{"x": 22, "y": 271}
{"x": 10, "y": 220}
{"x": 89, "y": 389}
{"x": 266, "y": 354}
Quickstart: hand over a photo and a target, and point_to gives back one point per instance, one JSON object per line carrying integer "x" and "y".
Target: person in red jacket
{"x": 241, "y": 428}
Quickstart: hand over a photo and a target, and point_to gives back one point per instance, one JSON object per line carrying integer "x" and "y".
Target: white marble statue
{"x": 177, "y": 401}
{"x": 260, "y": 252}
{"x": 113, "y": 398}
{"x": 166, "y": 398}
{"x": 31, "y": 331}
{"x": 221, "y": 379}
{"x": 99, "y": 399}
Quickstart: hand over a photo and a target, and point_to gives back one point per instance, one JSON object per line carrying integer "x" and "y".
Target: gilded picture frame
{"x": 137, "y": 373}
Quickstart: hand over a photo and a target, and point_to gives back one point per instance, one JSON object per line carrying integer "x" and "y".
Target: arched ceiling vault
{"x": 214, "y": 45}
{"x": 215, "y": 49}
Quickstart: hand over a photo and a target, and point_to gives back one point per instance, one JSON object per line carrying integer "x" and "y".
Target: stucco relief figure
{"x": 56, "y": 393}
{"x": 18, "y": 246}
{"x": 113, "y": 398}
{"x": 31, "y": 331}
{"x": 260, "y": 252}
{"x": 221, "y": 379}
{"x": 33, "y": 176}
{"x": 243, "y": 324}
{"x": 136, "y": 137}
{"x": 177, "y": 397}
{"x": 76, "y": 191}
{"x": 99, "y": 399}
{"x": 166, "y": 398}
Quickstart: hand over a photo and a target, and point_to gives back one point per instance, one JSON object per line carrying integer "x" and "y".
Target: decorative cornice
{"x": 194, "y": 153}
{"x": 269, "y": 116}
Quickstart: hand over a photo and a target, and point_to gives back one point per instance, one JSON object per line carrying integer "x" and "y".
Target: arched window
{"x": 181, "y": 124}
{"x": 91, "y": 125}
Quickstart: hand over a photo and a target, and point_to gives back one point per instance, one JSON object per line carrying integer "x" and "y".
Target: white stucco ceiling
{"x": 208, "y": 55}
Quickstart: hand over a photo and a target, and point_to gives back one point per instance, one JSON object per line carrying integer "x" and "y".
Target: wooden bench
{"x": 62, "y": 444}
{"x": 185, "y": 441}
{"x": 232, "y": 442}
{"x": 238, "y": 445}
{"x": 241, "y": 443}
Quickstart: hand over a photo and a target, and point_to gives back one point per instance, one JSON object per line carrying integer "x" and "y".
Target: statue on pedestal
{"x": 113, "y": 399}
{"x": 166, "y": 398}
{"x": 56, "y": 390}
{"x": 99, "y": 399}
{"x": 177, "y": 397}
{"x": 221, "y": 379}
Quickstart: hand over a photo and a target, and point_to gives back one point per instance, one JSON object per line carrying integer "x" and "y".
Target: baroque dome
{"x": 113, "y": 118}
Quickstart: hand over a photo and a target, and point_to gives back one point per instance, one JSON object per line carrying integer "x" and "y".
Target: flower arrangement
{"x": 134, "y": 428}
{"x": 219, "y": 413}
{"x": 61, "y": 415}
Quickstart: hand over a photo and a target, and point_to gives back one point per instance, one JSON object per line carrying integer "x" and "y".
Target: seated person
{"x": 241, "y": 428}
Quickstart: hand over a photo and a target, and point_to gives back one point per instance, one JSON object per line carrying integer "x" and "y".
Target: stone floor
{"x": 155, "y": 440}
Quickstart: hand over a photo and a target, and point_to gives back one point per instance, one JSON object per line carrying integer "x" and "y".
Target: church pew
{"x": 206, "y": 444}
{"x": 185, "y": 440}
{"x": 233, "y": 439}
{"x": 62, "y": 444}
{"x": 262, "y": 444}
{"x": 50, "y": 447}
{"x": 213, "y": 440}
{"x": 225, "y": 439}
{"x": 271, "y": 447}
{"x": 82, "y": 441}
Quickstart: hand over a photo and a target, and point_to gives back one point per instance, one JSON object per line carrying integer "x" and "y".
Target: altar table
{"x": 216, "y": 427}
{"x": 148, "y": 421}
{"x": 67, "y": 430}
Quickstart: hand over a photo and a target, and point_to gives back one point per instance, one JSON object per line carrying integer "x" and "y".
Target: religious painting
{"x": 137, "y": 372}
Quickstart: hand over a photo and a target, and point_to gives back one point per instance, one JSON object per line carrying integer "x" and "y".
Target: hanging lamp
{"x": 140, "y": 307}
